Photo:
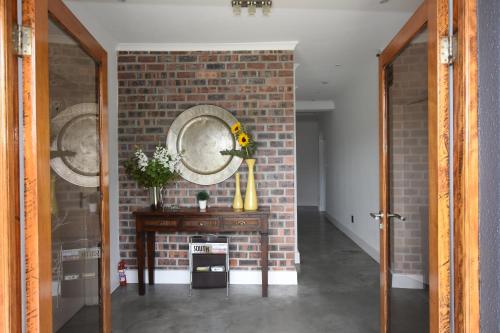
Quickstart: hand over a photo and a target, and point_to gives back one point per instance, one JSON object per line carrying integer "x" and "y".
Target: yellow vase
{"x": 251, "y": 192}
{"x": 238, "y": 201}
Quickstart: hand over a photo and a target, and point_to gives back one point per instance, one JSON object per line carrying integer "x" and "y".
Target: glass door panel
{"x": 75, "y": 196}
{"x": 407, "y": 116}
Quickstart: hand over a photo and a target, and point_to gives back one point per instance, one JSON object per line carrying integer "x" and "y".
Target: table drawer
{"x": 241, "y": 223}
{"x": 206, "y": 224}
{"x": 172, "y": 223}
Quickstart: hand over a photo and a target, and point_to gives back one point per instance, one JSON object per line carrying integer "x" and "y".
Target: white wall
{"x": 107, "y": 42}
{"x": 351, "y": 133}
{"x": 307, "y": 162}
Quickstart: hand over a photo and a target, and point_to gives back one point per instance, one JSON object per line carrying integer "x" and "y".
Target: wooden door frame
{"x": 10, "y": 249}
{"x": 466, "y": 169}
{"x": 37, "y": 169}
{"x": 434, "y": 14}
{"x": 435, "y": 17}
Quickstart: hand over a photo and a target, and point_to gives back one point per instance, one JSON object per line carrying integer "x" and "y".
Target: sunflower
{"x": 243, "y": 139}
{"x": 236, "y": 128}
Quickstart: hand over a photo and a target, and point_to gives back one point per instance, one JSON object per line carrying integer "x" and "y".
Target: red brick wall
{"x": 257, "y": 87}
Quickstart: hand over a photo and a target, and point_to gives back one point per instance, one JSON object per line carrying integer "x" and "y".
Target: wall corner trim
{"x": 261, "y": 46}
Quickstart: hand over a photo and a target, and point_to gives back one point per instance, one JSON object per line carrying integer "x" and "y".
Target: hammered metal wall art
{"x": 199, "y": 134}
{"x": 75, "y": 147}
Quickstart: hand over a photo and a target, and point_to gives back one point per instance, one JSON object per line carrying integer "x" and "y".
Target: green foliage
{"x": 202, "y": 196}
{"x": 155, "y": 172}
{"x": 245, "y": 153}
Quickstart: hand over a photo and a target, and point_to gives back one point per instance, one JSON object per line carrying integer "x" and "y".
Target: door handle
{"x": 399, "y": 217}
{"x": 377, "y": 216}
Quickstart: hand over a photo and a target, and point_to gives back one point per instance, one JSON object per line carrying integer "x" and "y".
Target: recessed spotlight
{"x": 324, "y": 82}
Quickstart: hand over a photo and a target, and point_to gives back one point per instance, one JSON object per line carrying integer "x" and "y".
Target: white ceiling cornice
{"x": 263, "y": 46}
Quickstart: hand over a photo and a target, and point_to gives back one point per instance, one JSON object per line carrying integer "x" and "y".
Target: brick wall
{"x": 409, "y": 161}
{"x": 257, "y": 87}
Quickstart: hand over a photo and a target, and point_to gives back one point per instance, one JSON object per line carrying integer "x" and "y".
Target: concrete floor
{"x": 338, "y": 291}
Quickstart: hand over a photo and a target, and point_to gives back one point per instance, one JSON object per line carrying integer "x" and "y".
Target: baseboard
{"x": 164, "y": 276}
{"x": 312, "y": 206}
{"x": 407, "y": 281}
{"x": 370, "y": 250}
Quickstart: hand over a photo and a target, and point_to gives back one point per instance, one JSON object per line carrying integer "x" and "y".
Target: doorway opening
{"x": 311, "y": 162}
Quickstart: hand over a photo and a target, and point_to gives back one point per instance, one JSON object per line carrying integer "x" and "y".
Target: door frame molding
{"x": 10, "y": 246}
{"x": 435, "y": 18}
{"x": 37, "y": 170}
{"x": 466, "y": 170}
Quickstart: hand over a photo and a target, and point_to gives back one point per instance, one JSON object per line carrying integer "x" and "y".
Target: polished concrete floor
{"x": 338, "y": 291}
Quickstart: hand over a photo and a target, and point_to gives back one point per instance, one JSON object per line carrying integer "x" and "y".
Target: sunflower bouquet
{"x": 245, "y": 141}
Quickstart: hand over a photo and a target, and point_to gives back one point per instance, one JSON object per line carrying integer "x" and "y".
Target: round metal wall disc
{"x": 199, "y": 134}
{"x": 75, "y": 147}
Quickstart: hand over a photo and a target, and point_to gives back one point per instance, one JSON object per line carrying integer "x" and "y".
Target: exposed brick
{"x": 257, "y": 87}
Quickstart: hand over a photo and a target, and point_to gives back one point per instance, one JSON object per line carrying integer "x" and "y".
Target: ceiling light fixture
{"x": 252, "y": 6}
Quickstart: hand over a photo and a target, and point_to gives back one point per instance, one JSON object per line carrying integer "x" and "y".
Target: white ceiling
{"x": 348, "y": 33}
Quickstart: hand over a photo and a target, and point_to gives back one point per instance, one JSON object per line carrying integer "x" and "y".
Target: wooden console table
{"x": 214, "y": 220}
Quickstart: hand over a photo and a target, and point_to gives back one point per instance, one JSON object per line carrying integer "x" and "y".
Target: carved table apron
{"x": 191, "y": 220}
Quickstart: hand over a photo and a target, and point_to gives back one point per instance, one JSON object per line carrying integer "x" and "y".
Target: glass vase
{"x": 156, "y": 197}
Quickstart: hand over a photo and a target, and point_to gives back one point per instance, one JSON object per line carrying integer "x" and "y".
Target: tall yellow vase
{"x": 238, "y": 201}
{"x": 251, "y": 192}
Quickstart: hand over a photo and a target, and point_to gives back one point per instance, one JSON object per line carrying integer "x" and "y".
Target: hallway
{"x": 337, "y": 292}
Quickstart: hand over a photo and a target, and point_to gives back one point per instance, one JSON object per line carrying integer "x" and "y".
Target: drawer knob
{"x": 242, "y": 222}
{"x": 201, "y": 224}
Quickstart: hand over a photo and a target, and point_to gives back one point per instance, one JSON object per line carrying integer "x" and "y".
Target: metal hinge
{"x": 448, "y": 49}
{"x": 22, "y": 37}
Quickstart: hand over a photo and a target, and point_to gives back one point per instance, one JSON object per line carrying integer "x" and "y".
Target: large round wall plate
{"x": 75, "y": 147}
{"x": 199, "y": 134}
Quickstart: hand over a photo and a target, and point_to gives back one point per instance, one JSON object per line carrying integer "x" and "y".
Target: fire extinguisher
{"x": 121, "y": 273}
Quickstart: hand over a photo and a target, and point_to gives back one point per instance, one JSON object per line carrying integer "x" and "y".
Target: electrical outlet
{"x": 352, "y": 218}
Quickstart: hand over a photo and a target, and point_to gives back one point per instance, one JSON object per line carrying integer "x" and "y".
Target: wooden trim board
{"x": 10, "y": 262}
{"x": 37, "y": 171}
{"x": 439, "y": 210}
{"x": 466, "y": 170}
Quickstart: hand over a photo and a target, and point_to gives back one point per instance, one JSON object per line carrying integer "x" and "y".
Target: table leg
{"x": 151, "y": 257}
{"x": 264, "y": 249}
{"x": 139, "y": 245}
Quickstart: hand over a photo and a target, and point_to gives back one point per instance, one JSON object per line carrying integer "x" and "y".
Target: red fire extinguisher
{"x": 121, "y": 273}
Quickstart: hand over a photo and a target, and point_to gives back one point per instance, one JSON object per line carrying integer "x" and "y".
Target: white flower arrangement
{"x": 155, "y": 172}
